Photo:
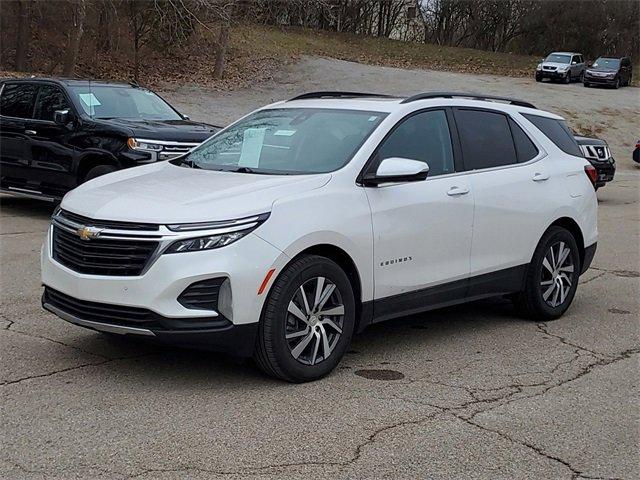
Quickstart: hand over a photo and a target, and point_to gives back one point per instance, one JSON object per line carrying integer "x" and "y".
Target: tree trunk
{"x": 24, "y": 31}
{"x": 221, "y": 52}
{"x": 75, "y": 37}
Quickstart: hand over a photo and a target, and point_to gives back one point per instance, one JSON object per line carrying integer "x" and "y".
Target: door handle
{"x": 539, "y": 177}
{"x": 30, "y": 132}
{"x": 455, "y": 190}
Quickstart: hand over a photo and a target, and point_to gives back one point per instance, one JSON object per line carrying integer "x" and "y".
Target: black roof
{"x": 68, "y": 81}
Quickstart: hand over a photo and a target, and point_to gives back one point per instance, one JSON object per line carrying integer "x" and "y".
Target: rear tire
{"x": 552, "y": 277}
{"x": 301, "y": 339}
{"x": 98, "y": 171}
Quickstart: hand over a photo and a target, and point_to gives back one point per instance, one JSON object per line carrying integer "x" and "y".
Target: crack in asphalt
{"x": 76, "y": 367}
{"x": 42, "y": 337}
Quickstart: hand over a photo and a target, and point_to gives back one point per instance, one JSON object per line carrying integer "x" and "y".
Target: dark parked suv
{"x": 56, "y": 134}
{"x": 597, "y": 152}
{"x": 612, "y": 71}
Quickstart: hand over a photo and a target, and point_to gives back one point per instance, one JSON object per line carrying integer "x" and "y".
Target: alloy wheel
{"x": 315, "y": 320}
{"x": 557, "y": 274}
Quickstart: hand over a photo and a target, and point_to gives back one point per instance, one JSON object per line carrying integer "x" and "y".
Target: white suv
{"x": 309, "y": 219}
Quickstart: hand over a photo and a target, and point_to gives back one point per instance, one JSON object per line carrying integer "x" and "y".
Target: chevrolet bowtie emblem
{"x": 87, "y": 233}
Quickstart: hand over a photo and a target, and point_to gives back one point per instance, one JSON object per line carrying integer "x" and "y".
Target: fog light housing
{"x": 225, "y": 300}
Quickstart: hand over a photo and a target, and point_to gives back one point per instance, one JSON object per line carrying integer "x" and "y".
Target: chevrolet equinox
{"x": 309, "y": 219}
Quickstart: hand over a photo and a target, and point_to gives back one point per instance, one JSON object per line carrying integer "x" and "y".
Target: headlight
{"x": 539, "y": 67}
{"x": 206, "y": 243}
{"x": 563, "y": 69}
{"x": 135, "y": 144}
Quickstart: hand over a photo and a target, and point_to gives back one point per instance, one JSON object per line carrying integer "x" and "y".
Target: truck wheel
{"x": 567, "y": 79}
{"x": 307, "y": 321}
{"x": 552, "y": 276}
{"x": 617, "y": 84}
{"x": 98, "y": 171}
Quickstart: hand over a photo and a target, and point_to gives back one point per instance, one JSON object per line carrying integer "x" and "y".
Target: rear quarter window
{"x": 556, "y": 131}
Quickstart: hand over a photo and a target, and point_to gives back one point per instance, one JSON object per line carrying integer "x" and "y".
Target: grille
{"x": 113, "y": 225}
{"x": 101, "y": 312}
{"x": 597, "y": 152}
{"x": 101, "y": 256}
{"x": 202, "y": 295}
{"x": 174, "y": 150}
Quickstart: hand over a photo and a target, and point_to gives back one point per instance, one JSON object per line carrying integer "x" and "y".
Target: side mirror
{"x": 186, "y": 117}
{"x": 574, "y": 63}
{"x": 397, "y": 170}
{"x": 62, "y": 117}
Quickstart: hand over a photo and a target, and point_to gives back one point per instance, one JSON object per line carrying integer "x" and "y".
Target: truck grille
{"x": 175, "y": 150}
{"x": 101, "y": 256}
{"x": 596, "y": 152}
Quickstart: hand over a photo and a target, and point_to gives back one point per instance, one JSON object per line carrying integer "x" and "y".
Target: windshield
{"x": 607, "y": 63}
{"x": 287, "y": 141}
{"x": 105, "y": 101}
{"x": 555, "y": 58}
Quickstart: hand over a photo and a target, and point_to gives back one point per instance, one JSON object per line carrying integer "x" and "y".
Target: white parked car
{"x": 309, "y": 219}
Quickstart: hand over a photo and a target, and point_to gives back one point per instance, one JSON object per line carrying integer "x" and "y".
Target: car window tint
{"x": 525, "y": 148}
{"x": 485, "y": 138}
{"x": 425, "y": 137}
{"x": 556, "y": 131}
{"x": 49, "y": 100}
{"x": 17, "y": 100}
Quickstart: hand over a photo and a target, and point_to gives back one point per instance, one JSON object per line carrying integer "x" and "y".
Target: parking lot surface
{"x": 465, "y": 392}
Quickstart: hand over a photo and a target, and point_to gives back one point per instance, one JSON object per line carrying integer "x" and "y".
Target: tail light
{"x": 592, "y": 173}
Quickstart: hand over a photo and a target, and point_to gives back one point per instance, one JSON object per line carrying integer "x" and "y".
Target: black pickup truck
{"x": 56, "y": 133}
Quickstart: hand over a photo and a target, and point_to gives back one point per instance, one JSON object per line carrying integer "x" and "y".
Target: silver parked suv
{"x": 565, "y": 66}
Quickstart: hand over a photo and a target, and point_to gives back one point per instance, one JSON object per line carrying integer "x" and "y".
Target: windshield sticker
{"x": 284, "y": 133}
{"x": 89, "y": 101}
{"x": 251, "y": 147}
{"x": 373, "y": 118}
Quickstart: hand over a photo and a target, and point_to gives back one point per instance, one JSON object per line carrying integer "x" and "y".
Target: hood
{"x": 589, "y": 141}
{"x": 164, "y": 193}
{"x": 178, "y": 130}
{"x": 602, "y": 70}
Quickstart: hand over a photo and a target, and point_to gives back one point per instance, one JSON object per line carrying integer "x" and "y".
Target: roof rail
{"x": 473, "y": 96}
{"x": 311, "y": 95}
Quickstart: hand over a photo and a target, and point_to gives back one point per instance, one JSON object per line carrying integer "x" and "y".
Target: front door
{"x": 422, "y": 230}
{"x": 50, "y": 155}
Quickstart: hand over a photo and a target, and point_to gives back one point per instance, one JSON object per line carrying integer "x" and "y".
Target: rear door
{"x": 510, "y": 187}
{"x": 16, "y": 109}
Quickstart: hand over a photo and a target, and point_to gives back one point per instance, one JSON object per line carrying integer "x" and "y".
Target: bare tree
{"x": 24, "y": 34}
{"x": 75, "y": 37}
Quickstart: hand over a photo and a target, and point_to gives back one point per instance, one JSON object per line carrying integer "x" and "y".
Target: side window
{"x": 425, "y": 137}
{"x": 49, "y": 100}
{"x": 525, "y": 148}
{"x": 17, "y": 100}
{"x": 556, "y": 131}
{"x": 485, "y": 138}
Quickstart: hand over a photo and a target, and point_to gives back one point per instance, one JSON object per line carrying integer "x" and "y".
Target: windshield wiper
{"x": 185, "y": 161}
{"x": 241, "y": 170}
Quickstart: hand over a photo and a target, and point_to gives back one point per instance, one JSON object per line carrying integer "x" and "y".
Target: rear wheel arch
{"x": 572, "y": 226}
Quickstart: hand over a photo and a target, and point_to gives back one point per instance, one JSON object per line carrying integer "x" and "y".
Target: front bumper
{"x": 599, "y": 80}
{"x": 553, "y": 75}
{"x": 244, "y": 263}
{"x": 225, "y": 337}
{"x": 606, "y": 170}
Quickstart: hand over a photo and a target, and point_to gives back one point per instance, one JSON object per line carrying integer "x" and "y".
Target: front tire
{"x": 98, "y": 171}
{"x": 552, "y": 276}
{"x": 307, "y": 321}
